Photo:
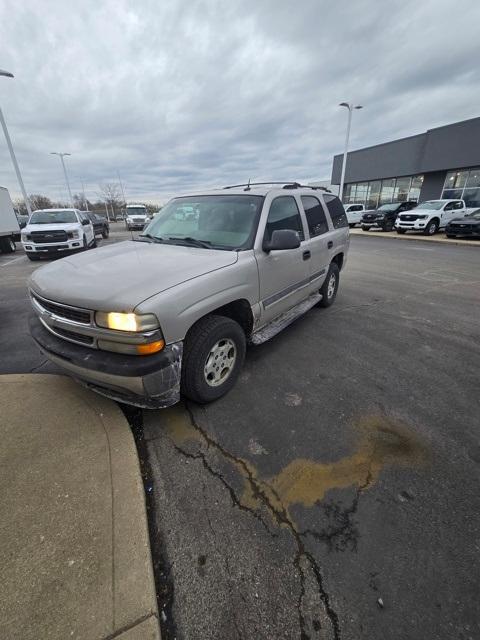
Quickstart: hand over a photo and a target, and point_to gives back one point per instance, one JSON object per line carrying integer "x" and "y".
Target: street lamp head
{"x": 358, "y": 106}
{"x": 7, "y": 74}
{"x": 344, "y": 104}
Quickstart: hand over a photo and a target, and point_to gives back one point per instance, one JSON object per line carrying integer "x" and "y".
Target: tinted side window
{"x": 356, "y": 208}
{"x": 283, "y": 214}
{"x": 336, "y": 211}
{"x": 317, "y": 222}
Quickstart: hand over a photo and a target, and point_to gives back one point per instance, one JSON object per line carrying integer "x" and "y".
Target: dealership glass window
{"x": 463, "y": 184}
{"x": 361, "y": 192}
{"x": 402, "y": 189}
{"x": 414, "y": 193}
{"x": 456, "y": 179}
{"x": 349, "y": 193}
{"x": 386, "y": 194}
{"x": 373, "y": 194}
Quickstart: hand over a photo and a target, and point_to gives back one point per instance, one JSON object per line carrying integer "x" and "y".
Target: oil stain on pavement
{"x": 382, "y": 441}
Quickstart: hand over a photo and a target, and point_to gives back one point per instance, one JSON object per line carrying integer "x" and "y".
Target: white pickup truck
{"x": 430, "y": 216}
{"x": 354, "y": 213}
{"x": 9, "y": 227}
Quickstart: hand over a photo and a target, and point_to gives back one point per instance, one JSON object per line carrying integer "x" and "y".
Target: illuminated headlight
{"x": 73, "y": 234}
{"x": 127, "y": 321}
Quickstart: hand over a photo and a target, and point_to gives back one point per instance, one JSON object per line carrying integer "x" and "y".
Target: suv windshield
{"x": 431, "y": 204}
{"x": 136, "y": 211}
{"x": 53, "y": 217}
{"x": 222, "y": 222}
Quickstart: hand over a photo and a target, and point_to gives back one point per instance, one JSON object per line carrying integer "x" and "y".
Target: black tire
{"x": 365, "y": 228}
{"x": 328, "y": 299}
{"x": 388, "y": 226}
{"x": 33, "y": 257}
{"x": 85, "y": 243}
{"x": 351, "y": 225}
{"x": 105, "y": 233}
{"x": 7, "y": 244}
{"x": 200, "y": 340}
{"x": 93, "y": 245}
{"x": 431, "y": 228}
{"x": 449, "y": 235}
{"x": 401, "y": 231}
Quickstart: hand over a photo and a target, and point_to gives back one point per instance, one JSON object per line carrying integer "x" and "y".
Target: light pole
{"x": 61, "y": 155}
{"x": 7, "y": 74}
{"x": 350, "y": 108}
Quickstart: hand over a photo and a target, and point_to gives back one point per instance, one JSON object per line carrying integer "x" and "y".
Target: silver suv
{"x": 172, "y": 311}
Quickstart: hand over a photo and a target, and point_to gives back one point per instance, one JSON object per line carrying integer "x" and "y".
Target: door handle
{"x": 307, "y": 255}
{"x": 330, "y": 244}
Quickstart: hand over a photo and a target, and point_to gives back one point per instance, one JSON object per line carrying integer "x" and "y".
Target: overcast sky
{"x": 179, "y": 94}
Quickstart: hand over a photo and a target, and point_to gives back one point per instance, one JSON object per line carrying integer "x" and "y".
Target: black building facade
{"x": 440, "y": 163}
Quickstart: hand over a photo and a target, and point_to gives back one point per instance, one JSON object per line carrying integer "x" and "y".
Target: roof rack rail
{"x": 285, "y": 185}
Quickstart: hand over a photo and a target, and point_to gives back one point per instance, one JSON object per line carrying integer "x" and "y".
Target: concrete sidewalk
{"x": 441, "y": 238}
{"x": 74, "y": 548}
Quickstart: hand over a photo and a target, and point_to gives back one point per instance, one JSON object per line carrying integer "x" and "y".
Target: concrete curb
{"x": 395, "y": 236}
{"x": 73, "y": 531}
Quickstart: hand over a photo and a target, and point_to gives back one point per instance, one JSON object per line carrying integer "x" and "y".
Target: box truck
{"x": 9, "y": 227}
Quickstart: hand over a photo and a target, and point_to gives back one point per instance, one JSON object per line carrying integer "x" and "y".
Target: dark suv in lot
{"x": 101, "y": 226}
{"x": 385, "y": 216}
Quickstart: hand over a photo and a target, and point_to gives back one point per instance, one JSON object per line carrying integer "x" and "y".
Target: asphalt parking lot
{"x": 335, "y": 492}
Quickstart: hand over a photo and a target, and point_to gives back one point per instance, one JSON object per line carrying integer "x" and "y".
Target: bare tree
{"x": 39, "y": 201}
{"x": 112, "y": 195}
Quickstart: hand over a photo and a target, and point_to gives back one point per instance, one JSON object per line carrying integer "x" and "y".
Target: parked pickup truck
{"x": 101, "y": 226}
{"x": 384, "y": 217}
{"x": 354, "y": 213}
{"x": 172, "y": 310}
{"x": 430, "y": 216}
{"x": 57, "y": 231}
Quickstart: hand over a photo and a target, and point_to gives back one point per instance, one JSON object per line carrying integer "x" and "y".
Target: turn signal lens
{"x": 151, "y": 347}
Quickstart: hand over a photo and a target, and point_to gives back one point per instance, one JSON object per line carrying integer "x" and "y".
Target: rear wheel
{"x": 431, "y": 228}
{"x": 7, "y": 244}
{"x": 213, "y": 356}
{"x": 330, "y": 286}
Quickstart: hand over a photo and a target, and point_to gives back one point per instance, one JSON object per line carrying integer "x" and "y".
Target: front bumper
{"x": 151, "y": 382}
{"x": 54, "y": 247}
{"x": 413, "y": 225}
{"x": 463, "y": 231}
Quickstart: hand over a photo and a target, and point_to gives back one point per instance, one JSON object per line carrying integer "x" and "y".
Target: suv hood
{"x": 120, "y": 276}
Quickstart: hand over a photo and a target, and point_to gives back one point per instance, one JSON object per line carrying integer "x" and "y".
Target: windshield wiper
{"x": 149, "y": 236}
{"x": 192, "y": 242}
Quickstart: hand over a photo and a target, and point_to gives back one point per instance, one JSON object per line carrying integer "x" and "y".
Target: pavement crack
{"x": 280, "y": 515}
{"x": 38, "y": 366}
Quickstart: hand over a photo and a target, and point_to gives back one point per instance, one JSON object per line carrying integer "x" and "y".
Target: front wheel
{"x": 451, "y": 236}
{"x": 351, "y": 225}
{"x": 431, "y": 228}
{"x": 105, "y": 233}
{"x": 365, "y": 228}
{"x": 213, "y": 356}
{"x": 33, "y": 257}
{"x": 401, "y": 231}
{"x": 330, "y": 286}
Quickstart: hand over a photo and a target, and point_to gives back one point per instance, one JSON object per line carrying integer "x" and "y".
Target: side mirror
{"x": 282, "y": 239}
{"x": 85, "y": 222}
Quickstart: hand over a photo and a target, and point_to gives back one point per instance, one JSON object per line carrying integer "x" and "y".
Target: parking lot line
{"x": 4, "y": 264}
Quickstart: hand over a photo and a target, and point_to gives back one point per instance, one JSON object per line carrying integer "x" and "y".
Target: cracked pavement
{"x": 335, "y": 492}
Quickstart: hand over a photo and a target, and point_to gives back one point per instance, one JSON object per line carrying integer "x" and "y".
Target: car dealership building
{"x": 440, "y": 163}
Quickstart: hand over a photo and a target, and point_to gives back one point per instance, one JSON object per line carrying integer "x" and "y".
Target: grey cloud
{"x": 183, "y": 94}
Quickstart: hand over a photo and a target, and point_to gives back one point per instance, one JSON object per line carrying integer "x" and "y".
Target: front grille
{"x": 77, "y": 315}
{"x": 369, "y": 217}
{"x": 72, "y": 335}
{"x": 48, "y": 236}
{"x": 409, "y": 217}
{"x": 459, "y": 225}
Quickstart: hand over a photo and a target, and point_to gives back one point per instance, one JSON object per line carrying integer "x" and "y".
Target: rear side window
{"x": 317, "y": 222}
{"x": 336, "y": 211}
{"x": 283, "y": 214}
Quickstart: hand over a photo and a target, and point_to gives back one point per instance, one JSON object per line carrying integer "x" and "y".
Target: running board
{"x": 277, "y": 325}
